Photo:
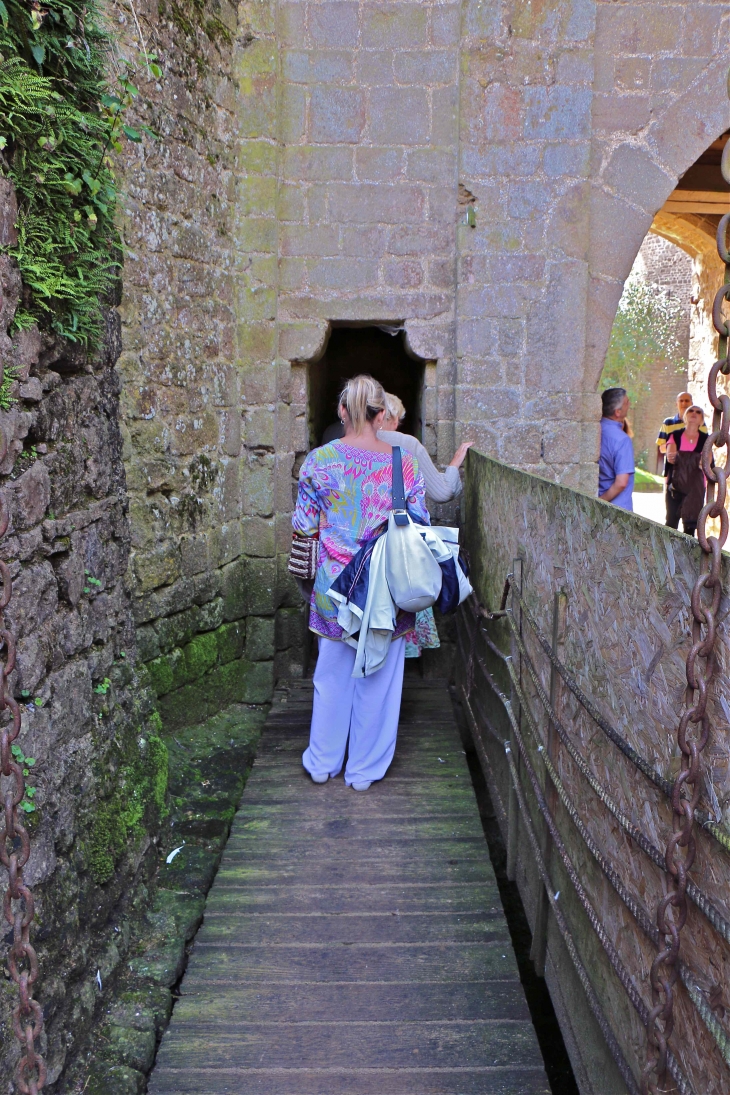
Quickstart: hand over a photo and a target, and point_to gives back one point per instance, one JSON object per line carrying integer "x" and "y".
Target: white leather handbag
{"x": 411, "y": 570}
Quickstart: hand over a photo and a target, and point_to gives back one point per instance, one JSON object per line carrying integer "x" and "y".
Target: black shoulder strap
{"x": 399, "y": 494}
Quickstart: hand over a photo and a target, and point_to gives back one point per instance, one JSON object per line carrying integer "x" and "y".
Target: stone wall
{"x": 100, "y": 770}
{"x": 628, "y": 583}
{"x": 201, "y": 565}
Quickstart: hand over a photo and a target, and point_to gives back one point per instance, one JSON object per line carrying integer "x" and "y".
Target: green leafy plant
{"x": 644, "y": 333}
{"x": 60, "y": 117}
{"x": 102, "y": 688}
{"x": 26, "y": 763}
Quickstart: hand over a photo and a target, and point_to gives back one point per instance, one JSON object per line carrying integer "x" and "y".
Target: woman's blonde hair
{"x": 363, "y": 398}
{"x": 394, "y": 407}
{"x": 694, "y": 407}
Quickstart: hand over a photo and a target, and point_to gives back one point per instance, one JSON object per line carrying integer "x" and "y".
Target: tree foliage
{"x": 645, "y": 332}
{"x": 60, "y": 117}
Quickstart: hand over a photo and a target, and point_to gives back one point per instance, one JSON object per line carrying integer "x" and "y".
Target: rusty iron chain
{"x": 18, "y": 904}
{"x": 694, "y": 725}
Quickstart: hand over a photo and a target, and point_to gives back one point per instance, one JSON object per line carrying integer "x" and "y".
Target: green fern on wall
{"x": 59, "y": 120}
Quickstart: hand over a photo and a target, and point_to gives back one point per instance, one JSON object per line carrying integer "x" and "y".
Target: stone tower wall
{"x": 203, "y": 603}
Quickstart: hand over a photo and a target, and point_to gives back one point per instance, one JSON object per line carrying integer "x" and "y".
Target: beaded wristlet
{"x": 303, "y": 556}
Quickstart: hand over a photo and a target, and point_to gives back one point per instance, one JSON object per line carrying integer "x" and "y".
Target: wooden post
{"x": 538, "y": 951}
{"x": 513, "y": 807}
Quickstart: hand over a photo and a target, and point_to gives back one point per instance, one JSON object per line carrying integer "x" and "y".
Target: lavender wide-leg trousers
{"x": 366, "y": 709}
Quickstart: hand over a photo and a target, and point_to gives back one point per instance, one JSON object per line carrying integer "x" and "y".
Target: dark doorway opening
{"x": 373, "y": 350}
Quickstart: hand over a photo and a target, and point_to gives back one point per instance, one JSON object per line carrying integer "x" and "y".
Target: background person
{"x": 345, "y": 498}
{"x": 442, "y": 486}
{"x": 616, "y": 462}
{"x": 675, "y": 422}
{"x": 685, "y": 478}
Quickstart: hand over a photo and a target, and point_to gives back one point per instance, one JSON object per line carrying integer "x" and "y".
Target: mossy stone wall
{"x": 628, "y": 583}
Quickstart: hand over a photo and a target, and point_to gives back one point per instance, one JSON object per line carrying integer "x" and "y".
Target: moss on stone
{"x": 133, "y": 1048}
{"x": 139, "y": 790}
{"x": 185, "y": 706}
{"x": 200, "y": 655}
{"x": 230, "y": 638}
{"x": 161, "y": 677}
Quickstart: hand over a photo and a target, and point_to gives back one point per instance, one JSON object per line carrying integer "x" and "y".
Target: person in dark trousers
{"x": 685, "y": 478}
{"x": 616, "y": 462}
{"x": 669, "y": 425}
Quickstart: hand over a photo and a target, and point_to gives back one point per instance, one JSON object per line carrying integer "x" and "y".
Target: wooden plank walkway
{"x": 354, "y": 943}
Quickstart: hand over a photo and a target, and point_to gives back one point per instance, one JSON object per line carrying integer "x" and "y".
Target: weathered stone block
{"x": 287, "y": 591}
{"x": 292, "y": 23}
{"x": 301, "y": 342}
{"x": 259, "y": 586}
{"x": 317, "y": 67}
{"x": 404, "y": 273}
{"x": 259, "y": 382}
{"x": 399, "y": 116}
{"x": 446, "y": 24}
{"x": 200, "y": 655}
{"x": 433, "y": 66}
{"x": 155, "y": 568}
{"x": 637, "y": 178}
{"x": 379, "y": 164}
{"x": 133, "y": 1048}
{"x": 290, "y": 627}
{"x": 30, "y": 496}
{"x": 230, "y": 542}
{"x": 293, "y": 113}
{"x": 334, "y": 23}
{"x": 194, "y": 557}
{"x": 302, "y": 240}
{"x": 347, "y": 274}
{"x": 148, "y": 646}
{"x": 207, "y": 586}
{"x": 393, "y": 26}
{"x": 620, "y": 113}
{"x": 258, "y": 536}
{"x": 365, "y": 203}
{"x": 259, "y": 484}
{"x": 235, "y": 593}
{"x": 178, "y": 629}
{"x": 231, "y": 638}
{"x": 432, "y": 165}
{"x": 160, "y": 675}
{"x": 557, "y": 112}
{"x": 108, "y": 1079}
{"x": 259, "y": 682}
{"x": 240, "y": 681}
{"x": 259, "y": 638}
{"x": 375, "y": 68}
{"x": 256, "y": 343}
{"x": 211, "y": 615}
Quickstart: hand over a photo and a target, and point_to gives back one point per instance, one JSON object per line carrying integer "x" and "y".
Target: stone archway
{"x": 695, "y": 234}
{"x": 632, "y": 186}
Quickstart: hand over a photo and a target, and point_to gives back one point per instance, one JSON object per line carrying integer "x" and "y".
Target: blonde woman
{"x": 442, "y": 486}
{"x": 344, "y": 499}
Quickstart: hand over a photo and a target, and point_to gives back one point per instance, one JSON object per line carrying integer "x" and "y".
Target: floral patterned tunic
{"x": 345, "y": 495}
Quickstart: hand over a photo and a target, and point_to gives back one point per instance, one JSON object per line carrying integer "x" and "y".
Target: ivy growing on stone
{"x": 60, "y": 119}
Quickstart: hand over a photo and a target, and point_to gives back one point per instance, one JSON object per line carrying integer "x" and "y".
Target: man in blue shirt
{"x": 616, "y": 463}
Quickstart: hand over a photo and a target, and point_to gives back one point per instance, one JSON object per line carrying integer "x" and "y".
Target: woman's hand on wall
{"x": 460, "y": 454}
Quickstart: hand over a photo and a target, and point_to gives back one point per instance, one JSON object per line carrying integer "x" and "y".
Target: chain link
{"x": 694, "y": 725}
{"x": 18, "y": 904}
